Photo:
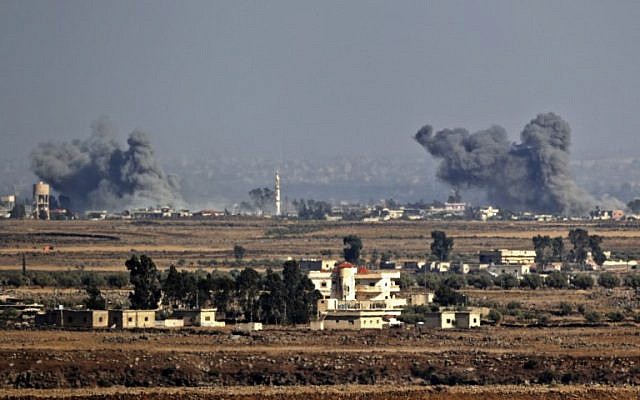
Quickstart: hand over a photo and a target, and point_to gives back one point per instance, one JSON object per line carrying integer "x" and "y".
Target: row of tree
{"x": 273, "y": 297}
{"x": 550, "y": 250}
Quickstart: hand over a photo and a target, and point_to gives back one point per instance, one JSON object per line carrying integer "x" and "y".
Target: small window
{"x": 99, "y": 319}
{"x": 448, "y": 321}
{"x": 130, "y": 319}
{"x": 146, "y": 319}
{"x": 323, "y": 284}
{"x": 372, "y": 284}
{"x": 475, "y": 320}
{"x": 207, "y": 318}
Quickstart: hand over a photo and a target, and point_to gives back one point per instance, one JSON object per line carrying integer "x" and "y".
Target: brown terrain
{"x": 518, "y": 360}
{"x": 104, "y": 245}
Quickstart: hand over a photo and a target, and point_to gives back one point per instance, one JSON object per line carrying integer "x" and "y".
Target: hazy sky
{"x": 316, "y": 78}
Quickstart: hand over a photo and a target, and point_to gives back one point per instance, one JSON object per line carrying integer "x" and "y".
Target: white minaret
{"x": 277, "y": 193}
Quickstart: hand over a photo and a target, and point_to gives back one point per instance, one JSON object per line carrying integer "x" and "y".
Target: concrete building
{"x": 449, "y": 319}
{"x": 440, "y": 320}
{"x": 317, "y": 264}
{"x": 505, "y": 256}
{"x": 356, "y": 298}
{"x": 7, "y": 203}
{"x": 420, "y": 299}
{"x": 350, "y": 320}
{"x": 202, "y": 317}
{"x": 132, "y": 319}
{"x": 169, "y": 323}
{"x": 41, "y": 201}
{"x": 248, "y": 327}
{"x": 516, "y": 270}
{"x": 81, "y": 319}
{"x": 467, "y": 319}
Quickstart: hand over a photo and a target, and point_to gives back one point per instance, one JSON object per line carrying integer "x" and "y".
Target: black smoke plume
{"x": 531, "y": 176}
{"x": 96, "y": 173}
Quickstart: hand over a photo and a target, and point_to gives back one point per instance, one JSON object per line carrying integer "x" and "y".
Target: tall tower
{"x": 41, "y": 200}
{"x": 277, "y": 191}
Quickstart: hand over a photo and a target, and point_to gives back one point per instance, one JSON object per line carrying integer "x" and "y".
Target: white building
{"x": 357, "y": 295}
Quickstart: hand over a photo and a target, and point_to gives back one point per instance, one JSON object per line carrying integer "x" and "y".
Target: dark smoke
{"x": 530, "y": 176}
{"x": 97, "y": 174}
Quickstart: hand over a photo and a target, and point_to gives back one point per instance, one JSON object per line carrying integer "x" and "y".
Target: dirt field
{"x": 104, "y": 245}
{"x": 411, "y": 363}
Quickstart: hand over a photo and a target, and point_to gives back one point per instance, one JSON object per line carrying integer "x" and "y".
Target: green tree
{"x": 532, "y": 281}
{"x": 557, "y": 280}
{"x": 248, "y": 285}
{"x": 172, "y": 286}
{"x": 301, "y": 295}
{"x": 352, "y": 247}
{"x": 441, "y": 245}
{"x": 632, "y": 280}
{"x": 94, "y": 300}
{"x": 221, "y": 286}
{"x": 596, "y": 251}
{"x": 145, "y": 278}
{"x": 455, "y": 282}
{"x": 238, "y": 252}
{"x": 428, "y": 281}
{"x": 506, "y": 281}
{"x": 273, "y": 298}
{"x": 582, "y": 281}
{"x": 543, "y": 248}
{"x": 445, "y": 296}
{"x": 406, "y": 281}
{"x": 580, "y": 240}
{"x": 482, "y": 280}
{"x": 608, "y": 280}
{"x": 557, "y": 244}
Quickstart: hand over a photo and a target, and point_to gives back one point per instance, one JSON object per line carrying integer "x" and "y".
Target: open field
{"x": 287, "y": 363}
{"x": 565, "y": 360}
{"x": 104, "y": 245}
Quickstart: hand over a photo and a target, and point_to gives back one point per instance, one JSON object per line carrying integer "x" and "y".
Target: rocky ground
{"x": 291, "y": 358}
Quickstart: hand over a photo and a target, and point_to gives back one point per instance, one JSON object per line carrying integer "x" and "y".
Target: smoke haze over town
{"x": 330, "y": 94}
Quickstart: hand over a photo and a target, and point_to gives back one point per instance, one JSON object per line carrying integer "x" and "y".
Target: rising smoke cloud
{"x": 533, "y": 175}
{"x": 95, "y": 173}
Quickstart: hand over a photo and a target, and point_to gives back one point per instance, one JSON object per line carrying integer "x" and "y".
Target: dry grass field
{"x": 566, "y": 360}
{"x": 104, "y": 245}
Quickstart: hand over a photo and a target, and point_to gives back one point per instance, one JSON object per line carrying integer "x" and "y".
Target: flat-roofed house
{"x": 87, "y": 319}
{"x": 132, "y": 319}
{"x": 200, "y": 317}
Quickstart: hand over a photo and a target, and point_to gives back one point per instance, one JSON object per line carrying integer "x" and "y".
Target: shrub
{"x": 615, "y": 316}
{"x": 582, "y": 281}
{"x": 592, "y": 317}
{"x": 482, "y": 280}
{"x": 506, "y": 281}
{"x": 532, "y": 281}
{"x": 530, "y": 364}
{"x": 495, "y": 316}
{"x": 513, "y": 305}
{"x": 543, "y": 319}
{"x": 632, "y": 280}
{"x": 565, "y": 308}
{"x": 608, "y": 280}
{"x": 557, "y": 280}
{"x": 547, "y": 376}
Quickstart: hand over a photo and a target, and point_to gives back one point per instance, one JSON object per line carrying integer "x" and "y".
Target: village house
{"x": 132, "y": 319}
{"x": 356, "y": 295}
{"x": 83, "y": 319}
{"x": 200, "y": 317}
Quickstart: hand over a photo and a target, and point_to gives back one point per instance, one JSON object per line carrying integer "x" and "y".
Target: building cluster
{"x": 355, "y": 298}
{"x": 126, "y": 319}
